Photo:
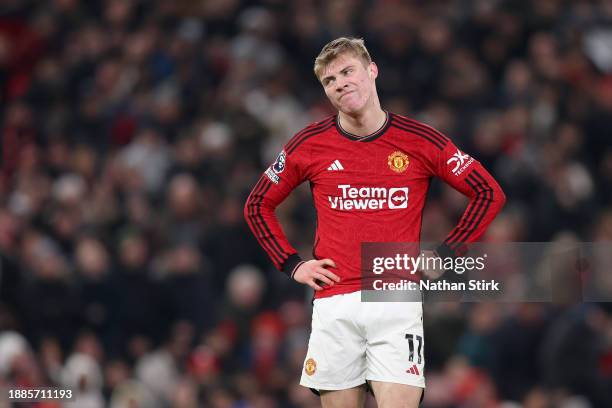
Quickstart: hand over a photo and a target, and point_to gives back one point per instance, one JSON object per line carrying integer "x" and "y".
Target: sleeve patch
{"x": 279, "y": 164}
{"x": 272, "y": 175}
{"x": 461, "y": 162}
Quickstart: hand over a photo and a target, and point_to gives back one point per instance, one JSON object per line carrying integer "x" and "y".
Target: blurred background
{"x": 132, "y": 132}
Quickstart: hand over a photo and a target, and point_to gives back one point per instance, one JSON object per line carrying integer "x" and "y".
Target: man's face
{"x": 349, "y": 83}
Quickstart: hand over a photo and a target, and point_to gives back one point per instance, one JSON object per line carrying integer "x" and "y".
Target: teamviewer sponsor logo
{"x": 398, "y": 198}
{"x": 369, "y": 198}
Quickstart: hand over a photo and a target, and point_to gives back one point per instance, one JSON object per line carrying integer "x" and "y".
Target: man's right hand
{"x": 313, "y": 273}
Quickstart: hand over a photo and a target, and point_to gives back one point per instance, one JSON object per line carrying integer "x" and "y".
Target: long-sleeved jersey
{"x": 368, "y": 189}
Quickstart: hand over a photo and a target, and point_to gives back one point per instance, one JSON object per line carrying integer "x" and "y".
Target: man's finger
{"x": 327, "y": 273}
{"x": 328, "y": 262}
{"x": 314, "y": 285}
{"x": 332, "y": 275}
{"x": 319, "y": 270}
{"x": 324, "y": 278}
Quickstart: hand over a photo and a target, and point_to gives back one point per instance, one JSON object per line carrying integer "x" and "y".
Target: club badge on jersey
{"x": 398, "y": 162}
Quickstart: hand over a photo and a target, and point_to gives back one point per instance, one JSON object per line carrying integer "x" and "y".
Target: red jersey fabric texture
{"x": 368, "y": 189}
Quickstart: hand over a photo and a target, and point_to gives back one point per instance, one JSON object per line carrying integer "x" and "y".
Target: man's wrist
{"x": 296, "y": 268}
{"x": 445, "y": 251}
{"x": 291, "y": 264}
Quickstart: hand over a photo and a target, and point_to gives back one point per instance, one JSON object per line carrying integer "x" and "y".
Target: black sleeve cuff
{"x": 444, "y": 251}
{"x": 290, "y": 264}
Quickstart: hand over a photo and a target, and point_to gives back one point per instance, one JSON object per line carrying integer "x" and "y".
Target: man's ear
{"x": 373, "y": 70}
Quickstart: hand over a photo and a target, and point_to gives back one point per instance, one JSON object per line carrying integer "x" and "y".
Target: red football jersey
{"x": 368, "y": 189}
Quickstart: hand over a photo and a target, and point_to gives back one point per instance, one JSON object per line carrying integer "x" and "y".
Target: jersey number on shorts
{"x": 419, "y": 340}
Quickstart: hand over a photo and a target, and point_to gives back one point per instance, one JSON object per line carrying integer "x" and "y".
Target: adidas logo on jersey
{"x": 335, "y": 166}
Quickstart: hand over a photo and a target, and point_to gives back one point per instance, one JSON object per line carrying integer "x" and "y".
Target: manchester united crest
{"x": 310, "y": 366}
{"x": 398, "y": 162}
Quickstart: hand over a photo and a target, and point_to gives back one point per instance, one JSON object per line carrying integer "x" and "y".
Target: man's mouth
{"x": 344, "y": 94}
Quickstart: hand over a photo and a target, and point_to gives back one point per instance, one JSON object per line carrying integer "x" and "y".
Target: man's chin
{"x": 350, "y": 109}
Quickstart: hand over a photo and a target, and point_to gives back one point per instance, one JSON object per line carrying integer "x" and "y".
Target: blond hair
{"x": 339, "y": 46}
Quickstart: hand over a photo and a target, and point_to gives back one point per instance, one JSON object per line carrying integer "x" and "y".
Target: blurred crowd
{"x": 133, "y": 130}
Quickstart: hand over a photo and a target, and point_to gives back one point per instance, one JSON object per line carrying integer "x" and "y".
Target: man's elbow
{"x": 247, "y": 211}
{"x": 499, "y": 197}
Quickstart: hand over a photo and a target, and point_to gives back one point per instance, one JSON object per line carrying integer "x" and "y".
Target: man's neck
{"x": 363, "y": 124}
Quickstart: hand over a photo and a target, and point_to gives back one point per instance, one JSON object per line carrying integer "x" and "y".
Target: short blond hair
{"x": 339, "y": 46}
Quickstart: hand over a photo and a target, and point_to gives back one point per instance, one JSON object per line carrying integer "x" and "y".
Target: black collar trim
{"x": 366, "y": 138}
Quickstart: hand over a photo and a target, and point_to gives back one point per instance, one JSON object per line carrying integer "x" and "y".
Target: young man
{"x": 369, "y": 171}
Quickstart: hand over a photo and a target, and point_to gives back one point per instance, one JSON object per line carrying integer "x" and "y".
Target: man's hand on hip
{"x": 431, "y": 272}
{"x": 314, "y": 273}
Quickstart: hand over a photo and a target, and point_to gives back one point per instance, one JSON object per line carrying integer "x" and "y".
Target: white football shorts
{"x": 353, "y": 341}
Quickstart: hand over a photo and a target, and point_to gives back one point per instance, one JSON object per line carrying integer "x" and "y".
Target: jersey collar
{"x": 366, "y": 138}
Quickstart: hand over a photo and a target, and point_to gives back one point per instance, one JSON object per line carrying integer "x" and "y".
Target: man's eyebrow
{"x": 329, "y": 77}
